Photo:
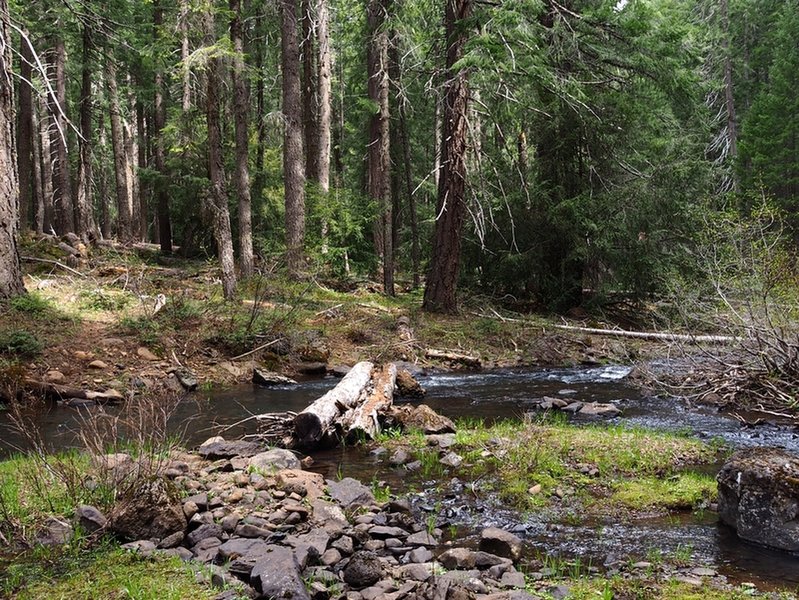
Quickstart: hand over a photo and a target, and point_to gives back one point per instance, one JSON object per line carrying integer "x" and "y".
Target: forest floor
{"x": 97, "y": 325}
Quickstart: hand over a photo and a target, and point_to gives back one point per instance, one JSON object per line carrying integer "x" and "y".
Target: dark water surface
{"x": 497, "y": 395}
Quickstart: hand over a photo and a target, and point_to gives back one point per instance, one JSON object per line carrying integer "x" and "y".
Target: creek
{"x": 500, "y": 395}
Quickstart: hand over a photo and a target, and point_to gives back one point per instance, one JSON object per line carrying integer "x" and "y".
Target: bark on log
{"x": 317, "y": 420}
{"x": 362, "y": 421}
{"x": 53, "y": 391}
{"x": 646, "y": 335}
{"x": 463, "y": 359}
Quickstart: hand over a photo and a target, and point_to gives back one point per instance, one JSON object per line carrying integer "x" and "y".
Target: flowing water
{"x": 510, "y": 394}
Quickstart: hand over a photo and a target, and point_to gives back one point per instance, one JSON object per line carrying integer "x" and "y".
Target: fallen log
{"x": 54, "y": 391}
{"x": 463, "y": 359}
{"x": 646, "y": 335}
{"x": 317, "y": 420}
{"x": 362, "y": 422}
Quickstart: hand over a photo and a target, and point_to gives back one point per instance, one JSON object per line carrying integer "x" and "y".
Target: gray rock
{"x": 173, "y": 540}
{"x": 275, "y": 460}
{"x": 400, "y": 457}
{"x": 574, "y": 407}
{"x": 217, "y": 448}
{"x": 312, "y": 368}
{"x": 513, "y": 579}
{"x": 759, "y": 497}
{"x": 500, "y": 542}
{"x": 277, "y": 575}
{"x": 90, "y": 519}
{"x": 202, "y": 532}
{"x": 270, "y": 378}
{"x": 416, "y": 571}
{"x": 207, "y": 550}
{"x": 247, "y": 530}
{"x": 55, "y": 532}
{"x": 344, "y": 544}
{"x": 187, "y": 379}
{"x": 442, "y": 440}
{"x": 363, "y": 570}
{"x": 450, "y": 459}
{"x": 386, "y": 531}
{"x": 330, "y": 557}
{"x": 143, "y": 547}
{"x": 350, "y": 493}
{"x": 599, "y": 409}
{"x": 238, "y": 547}
{"x": 421, "y": 538}
{"x": 457, "y": 558}
{"x": 420, "y": 555}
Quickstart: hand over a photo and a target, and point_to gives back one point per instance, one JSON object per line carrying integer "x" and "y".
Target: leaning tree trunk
{"x": 159, "y": 110}
{"x": 62, "y": 188}
{"x": 218, "y": 195}
{"x": 10, "y": 272}
{"x": 124, "y": 218}
{"x": 378, "y": 157}
{"x": 25, "y": 134}
{"x": 241, "y": 174}
{"x": 83, "y": 202}
{"x": 293, "y": 168}
{"x": 440, "y": 291}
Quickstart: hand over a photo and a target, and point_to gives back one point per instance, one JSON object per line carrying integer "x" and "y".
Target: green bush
{"x": 98, "y": 299}
{"x": 20, "y": 343}
{"x": 30, "y": 303}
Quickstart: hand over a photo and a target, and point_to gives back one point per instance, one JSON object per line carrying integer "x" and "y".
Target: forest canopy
{"x": 560, "y": 153}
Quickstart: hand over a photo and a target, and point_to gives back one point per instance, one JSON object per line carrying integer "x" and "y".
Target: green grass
{"x": 32, "y": 489}
{"x": 598, "y": 588}
{"x": 678, "y": 492}
{"x": 104, "y": 574}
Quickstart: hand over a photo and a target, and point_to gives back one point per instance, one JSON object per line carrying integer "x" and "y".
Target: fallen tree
{"x": 363, "y": 421}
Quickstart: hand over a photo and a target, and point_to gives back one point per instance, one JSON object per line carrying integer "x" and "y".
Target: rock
{"x": 143, "y": 547}
{"x": 340, "y": 370}
{"x": 315, "y": 351}
{"x": 270, "y": 378}
{"x": 703, "y": 572}
{"x": 599, "y": 409}
{"x": 443, "y": 440}
{"x": 450, "y": 459}
{"x": 500, "y": 542}
{"x": 207, "y": 550}
{"x": 150, "y": 510}
{"x": 421, "y": 417}
{"x": 416, "y": 571}
{"x": 422, "y": 538}
{"x": 303, "y": 483}
{"x": 90, "y": 519}
{"x": 56, "y": 377}
{"x": 173, "y": 540}
{"x": 98, "y": 364}
{"x": 420, "y": 555}
{"x": 277, "y": 575}
{"x": 205, "y": 531}
{"x": 219, "y": 448}
{"x": 457, "y": 558}
{"x": 573, "y": 407}
{"x": 330, "y": 557}
{"x": 363, "y": 569}
{"x": 759, "y": 497}
{"x": 238, "y": 547}
{"x": 400, "y": 457}
{"x": 407, "y": 386}
{"x": 144, "y": 353}
{"x": 312, "y": 368}
{"x": 344, "y": 544}
{"x": 55, "y": 532}
{"x": 513, "y": 579}
{"x": 275, "y": 460}
{"x": 350, "y": 493}
{"x": 187, "y": 379}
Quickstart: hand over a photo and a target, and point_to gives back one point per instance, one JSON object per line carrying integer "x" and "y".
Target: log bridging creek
{"x": 318, "y": 419}
{"x": 362, "y": 421}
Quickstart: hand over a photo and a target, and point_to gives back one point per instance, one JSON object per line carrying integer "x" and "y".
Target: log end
{"x": 307, "y": 429}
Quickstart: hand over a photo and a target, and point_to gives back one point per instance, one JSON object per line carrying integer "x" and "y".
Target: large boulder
{"x": 273, "y": 460}
{"x": 500, "y": 542}
{"x": 420, "y": 417}
{"x": 150, "y": 510}
{"x": 217, "y": 447}
{"x": 759, "y": 497}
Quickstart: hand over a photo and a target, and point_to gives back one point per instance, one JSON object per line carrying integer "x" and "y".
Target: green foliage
{"x": 104, "y": 299}
{"x": 679, "y": 492}
{"x": 20, "y": 343}
{"x": 31, "y": 303}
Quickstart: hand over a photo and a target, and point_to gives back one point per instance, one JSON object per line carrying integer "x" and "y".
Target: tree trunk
{"x": 323, "y": 122}
{"x": 260, "y": 103}
{"x": 62, "y": 190}
{"x": 45, "y": 120}
{"x": 440, "y": 291}
{"x": 102, "y": 184}
{"x": 10, "y": 271}
{"x": 141, "y": 161}
{"x": 84, "y": 222}
{"x": 218, "y": 195}
{"x": 241, "y": 109}
{"x": 378, "y": 157}
{"x": 183, "y": 26}
{"x": 362, "y": 422}
{"x": 159, "y": 112}
{"x": 124, "y": 218}
{"x": 131, "y": 153}
{"x": 37, "y": 208}
{"x": 729, "y": 102}
{"x": 25, "y": 135}
{"x": 293, "y": 169}
{"x": 309, "y": 79}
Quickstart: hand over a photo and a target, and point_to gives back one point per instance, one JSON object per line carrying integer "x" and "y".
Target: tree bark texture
{"x": 241, "y": 108}
{"x": 142, "y": 193}
{"x": 84, "y": 223}
{"x": 183, "y": 26}
{"x": 218, "y": 196}
{"x": 440, "y": 291}
{"x": 293, "y": 168}
{"x": 159, "y": 116}
{"x": 10, "y": 271}
{"x": 62, "y": 189}
{"x": 37, "y": 207}
{"x": 323, "y": 87}
{"x": 729, "y": 102}
{"x": 45, "y": 122}
{"x": 25, "y": 135}
{"x": 378, "y": 156}
{"x": 309, "y": 97}
{"x": 124, "y": 209}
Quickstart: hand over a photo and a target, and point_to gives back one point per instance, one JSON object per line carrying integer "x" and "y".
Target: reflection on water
{"x": 491, "y": 396}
